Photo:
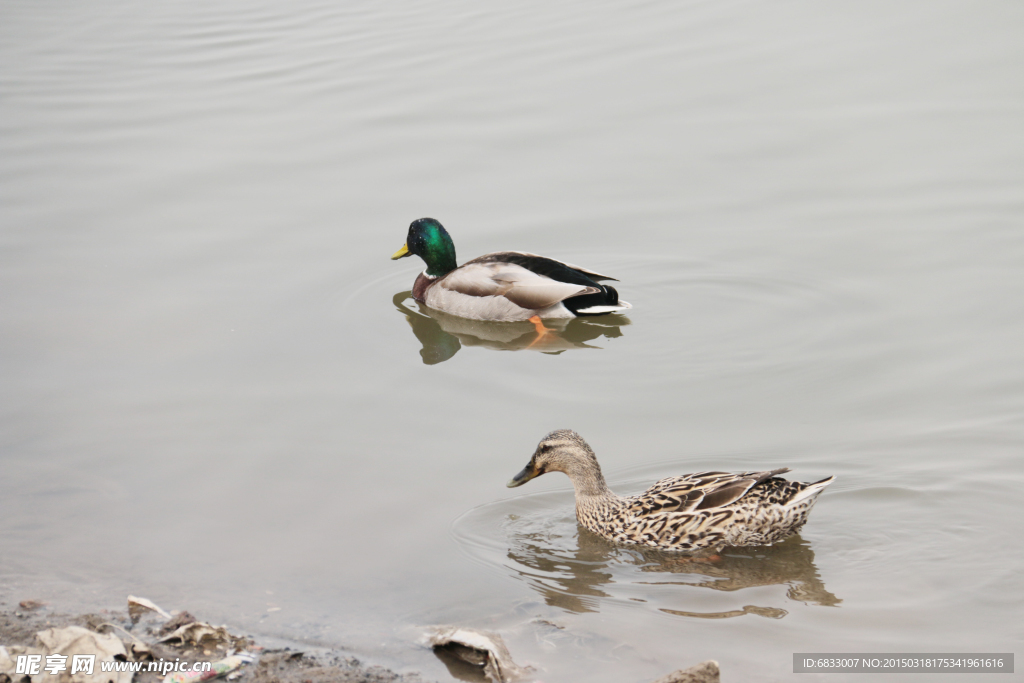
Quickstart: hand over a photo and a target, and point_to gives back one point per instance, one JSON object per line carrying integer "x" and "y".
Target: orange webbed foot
{"x": 541, "y": 330}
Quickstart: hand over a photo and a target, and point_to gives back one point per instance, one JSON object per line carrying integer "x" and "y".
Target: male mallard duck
{"x": 702, "y": 510}
{"x": 505, "y": 285}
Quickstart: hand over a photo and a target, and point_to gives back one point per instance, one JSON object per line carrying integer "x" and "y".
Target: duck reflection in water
{"x": 576, "y": 579}
{"x": 442, "y": 335}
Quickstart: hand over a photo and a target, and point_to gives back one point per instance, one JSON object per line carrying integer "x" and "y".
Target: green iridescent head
{"x": 429, "y": 240}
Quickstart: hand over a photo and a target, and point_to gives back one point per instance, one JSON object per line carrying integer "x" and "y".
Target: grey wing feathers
{"x": 699, "y": 491}
{"x": 519, "y": 285}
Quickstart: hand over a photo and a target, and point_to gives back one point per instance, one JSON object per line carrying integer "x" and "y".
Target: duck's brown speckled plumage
{"x": 688, "y": 512}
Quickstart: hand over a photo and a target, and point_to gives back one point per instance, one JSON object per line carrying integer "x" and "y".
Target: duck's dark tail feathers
{"x": 597, "y": 303}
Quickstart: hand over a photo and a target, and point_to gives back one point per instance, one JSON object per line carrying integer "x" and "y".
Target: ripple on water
{"x": 688, "y": 316}
{"x": 536, "y": 540}
{"x": 713, "y": 317}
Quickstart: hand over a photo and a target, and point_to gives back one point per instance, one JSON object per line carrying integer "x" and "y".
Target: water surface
{"x": 216, "y": 392}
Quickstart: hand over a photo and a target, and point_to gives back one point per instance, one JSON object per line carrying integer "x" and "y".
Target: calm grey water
{"x": 217, "y": 394}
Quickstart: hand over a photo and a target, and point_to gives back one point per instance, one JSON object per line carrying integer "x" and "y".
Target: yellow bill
{"x": 404, "y": 251}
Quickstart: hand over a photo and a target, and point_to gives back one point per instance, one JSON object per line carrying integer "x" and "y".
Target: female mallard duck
{"x": 702, "y": 510}
{"x": 505, "y": 285}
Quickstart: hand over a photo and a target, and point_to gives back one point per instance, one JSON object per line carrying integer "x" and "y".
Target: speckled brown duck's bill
{"x": 526, "y": 475}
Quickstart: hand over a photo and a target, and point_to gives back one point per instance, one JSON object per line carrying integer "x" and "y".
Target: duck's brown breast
{"x": 420, "y": 287}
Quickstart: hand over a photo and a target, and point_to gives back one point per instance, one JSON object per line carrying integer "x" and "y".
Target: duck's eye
{"x": 545, "y": 447}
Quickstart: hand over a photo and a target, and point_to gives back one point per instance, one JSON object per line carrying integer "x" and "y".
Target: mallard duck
{"x": 504, "y": 286}
{"x": 689, "y": 512}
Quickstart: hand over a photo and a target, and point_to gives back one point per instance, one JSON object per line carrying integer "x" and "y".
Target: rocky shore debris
{"x": 486, "y": 652}
{"x": 74, "y": 654}
{"x": 137, "y": 645}
{"x": 205, "y": 636}
{"x": 56, "y": 651}
{"x": 138, "y": 606}
{"x": 31, "y": 604}
{"x": 705, "y": 672}
{"x": 479, "y": 648}
{"x": 152, "y": 645}
{"x": 219, "y": 668}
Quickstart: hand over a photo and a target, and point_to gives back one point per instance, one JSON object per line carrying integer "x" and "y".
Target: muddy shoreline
{"x": 19, "y": 626}
{"x": 152, "y": 636}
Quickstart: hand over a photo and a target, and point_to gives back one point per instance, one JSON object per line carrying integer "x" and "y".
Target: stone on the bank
{"x": 705, "y": 672}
